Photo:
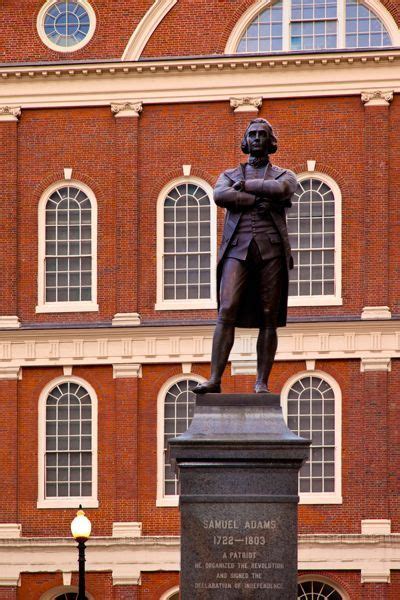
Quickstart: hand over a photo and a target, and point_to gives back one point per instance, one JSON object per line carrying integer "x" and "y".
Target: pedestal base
{"x": 238, "y": 468}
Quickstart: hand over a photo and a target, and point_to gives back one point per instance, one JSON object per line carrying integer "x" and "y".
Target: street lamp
{"x": 81, "y": 528}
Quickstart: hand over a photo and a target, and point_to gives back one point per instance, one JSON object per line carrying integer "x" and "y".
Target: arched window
{"x": 172, "y": 594}
{"x": 312, "y": 405}
{"x": 186, "y": 246}
{"x": 317, "y": 590}
{"x": 314, "y": 224}
{"x": 312, "y": 25}
{"x": 64, "y": 592}
{"x": 176, "y": 403}
{"x": 68, "y": 444}
{"x": 67, "y": 249}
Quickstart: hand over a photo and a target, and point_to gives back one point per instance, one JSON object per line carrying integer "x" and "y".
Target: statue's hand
{"x": 239, "y": 186}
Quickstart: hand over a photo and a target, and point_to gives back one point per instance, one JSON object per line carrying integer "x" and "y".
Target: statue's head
{"x": 259, "y": 138}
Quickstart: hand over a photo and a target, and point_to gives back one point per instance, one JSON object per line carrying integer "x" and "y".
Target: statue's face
{"x": 258, "y": 139}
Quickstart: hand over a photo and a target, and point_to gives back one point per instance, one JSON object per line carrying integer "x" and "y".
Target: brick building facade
{"x": 115, "y": 121}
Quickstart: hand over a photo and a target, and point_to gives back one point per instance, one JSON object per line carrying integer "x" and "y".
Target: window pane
{"x": 311, "y": 414}
{"x": 70, "y": 436}
{"x": 187, "y": 222}
{"x": 178, "y": 413}
{"x": 311, "y": 225}
{"x": 70, "y": 236}
{"x": 265, "y": 33}
{"x": 363, "y": 28}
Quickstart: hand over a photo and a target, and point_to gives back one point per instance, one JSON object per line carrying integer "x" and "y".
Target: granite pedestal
{"x": 238, "y": 469}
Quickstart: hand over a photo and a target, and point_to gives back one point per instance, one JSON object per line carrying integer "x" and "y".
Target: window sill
{"x": 185, "y": 305}
{"x": 63, "y": 307}
{"x": 331, "y": 498}
{"x": 315, "y": 301}
{"x": 167, "y": 501}
{"x": 68, "y": 503}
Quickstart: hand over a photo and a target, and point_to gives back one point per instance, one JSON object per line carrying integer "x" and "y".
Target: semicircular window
{"x": 69, "y": 596}
{"x": 317, "y": 590}
{"x": 312, "y": 25}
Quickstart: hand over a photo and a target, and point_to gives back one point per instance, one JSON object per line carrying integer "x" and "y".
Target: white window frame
{"x": 189, "y": 304}
{"x": 251, "y": 13}
{"x": 322, "y": 497}
{"x": 321, "y": 579}
{"x": 63, "y": 307}
{"x": 335, "y": 299}
{"x": 42, "y": 34}
{"x": 67, "y": 502}
{"x": 162, "y": 499}
{"x": 169, "y": 593}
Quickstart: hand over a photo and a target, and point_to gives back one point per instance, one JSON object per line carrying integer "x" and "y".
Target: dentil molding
{"x": 131, "y": 347}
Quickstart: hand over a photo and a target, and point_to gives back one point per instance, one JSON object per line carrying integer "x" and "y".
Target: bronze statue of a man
{"x": 255, "y": 256}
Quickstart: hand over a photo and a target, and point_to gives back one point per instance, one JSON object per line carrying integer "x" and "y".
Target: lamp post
{"x": 81, "y": 528}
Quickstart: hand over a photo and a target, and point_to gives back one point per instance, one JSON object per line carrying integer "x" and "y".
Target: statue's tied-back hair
{"x": 273, "y": 142}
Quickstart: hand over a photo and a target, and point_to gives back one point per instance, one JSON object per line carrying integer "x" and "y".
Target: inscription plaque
{"x": 238, "y": 467}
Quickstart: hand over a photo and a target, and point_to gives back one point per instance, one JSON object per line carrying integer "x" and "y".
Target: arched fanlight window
{"x": 317, "y": 590}
{"x": 312, "y": 405}
{"x": 67, "y": 249}
{"x": 314, "y": 224}
{"x": 68, "y": 444}
{"x": 186, "y": 245}
{"x": 311, "y": 25}
{"x": 175, "y": 406}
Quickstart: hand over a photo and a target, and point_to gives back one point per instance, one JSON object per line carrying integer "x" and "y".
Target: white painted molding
{"x": 146, "y": 27}
{"x": 376, "y": 526}
{"x": 67, "y": 370}
{"x": 9, "y": 322}
{"x": 376, "y": 364}
{"x": 374, "y": 555}
{"x": 243, "y": 367}
{"x": 186, "y": 170}
{"x": 246, "y": 104}
{"x": 9, "y": 113}
{"x": 127, "y": 109}
{"x": 67, "y": 174}
{"x": 382, "y": 576}
{"x": 67, "y": 577}
{"x": 128, "y": 529}
{"x": 126, "y": 319}
{"x": 200, "y": 80}
{"x": 310, "y": 365}
{"x": 321, "y": 578}
{"x": 192, "y": 344}
{"x": 10, "y": 530}
{"x": 126, "y": 370}
{"x": 311, "y": 165}
{"x": 377, "y": 98}
{"x": 10, "y": 373}
{"x": 125, "y": 575}
{"x": 186, "y": 368}
{"x": 376, "y": 313}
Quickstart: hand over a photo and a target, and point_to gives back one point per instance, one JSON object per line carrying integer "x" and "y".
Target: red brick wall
{"x": 33, "y": 585}
{"x": 192, "y": 27}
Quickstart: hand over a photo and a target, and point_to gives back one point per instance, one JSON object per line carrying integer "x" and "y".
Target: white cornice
{"x": 135, "y": 346}
{"x": 127, "y": 558}
{"x": 200, "y": 79}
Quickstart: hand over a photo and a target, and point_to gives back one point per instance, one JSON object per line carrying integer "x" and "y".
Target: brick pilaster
{"x": 126, "y": 477}
{"x": 126, "y": 147}
{"x": 9, "y": 448}
{"x": 376, "y": 213}
{"x": 8, "y": 210}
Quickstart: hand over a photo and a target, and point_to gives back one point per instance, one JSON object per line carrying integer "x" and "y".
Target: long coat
{"x": 225, "y": 196}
